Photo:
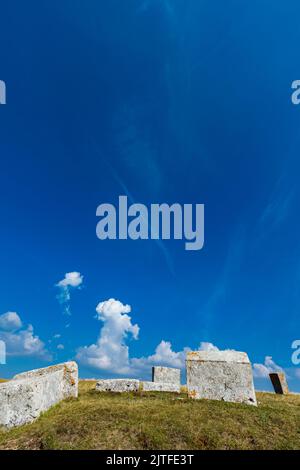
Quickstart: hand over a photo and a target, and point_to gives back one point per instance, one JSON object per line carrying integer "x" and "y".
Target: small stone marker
{"x": 279, "y": 383}
{"x": 160, "y": 387}
{"x": 118, "y": 385}
{"x": 220, "y": 375}
{"x": 27, "y": 395}
{"x": 167, "y": 375}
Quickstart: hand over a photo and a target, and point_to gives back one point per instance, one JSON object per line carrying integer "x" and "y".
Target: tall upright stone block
{"x": 220, "y": 375}
{"x": 168, "y": 375}
{"x": 279, "y": 383}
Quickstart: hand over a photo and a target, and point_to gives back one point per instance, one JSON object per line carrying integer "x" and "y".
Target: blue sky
{"x": 183, "y": 101}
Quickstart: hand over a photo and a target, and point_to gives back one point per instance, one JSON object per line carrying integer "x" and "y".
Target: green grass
{"x": 160, "y": 421}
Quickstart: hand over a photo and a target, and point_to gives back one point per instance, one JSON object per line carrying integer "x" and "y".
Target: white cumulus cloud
{"x": 165, "y": 356}
{"x": 20, "y": 341}
{"x": 10, "y": 321}
{"x": 111, "y": 353}
{"x": 207, "y": 347}
{"x": 73, "y": 279}
{"x": 263, "y": 370}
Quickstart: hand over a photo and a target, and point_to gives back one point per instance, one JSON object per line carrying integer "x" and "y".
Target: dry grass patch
{"x": 153, "y": 420}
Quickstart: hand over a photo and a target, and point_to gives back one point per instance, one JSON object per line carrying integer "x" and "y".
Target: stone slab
{"x": 27, "y": 395}
{"x": 220, "y": 375}
{"x": 168, "y": 375}
{"x": 118, "y": 385}
{"x": 279, "y": 383}
{"x": 160, "y": 387}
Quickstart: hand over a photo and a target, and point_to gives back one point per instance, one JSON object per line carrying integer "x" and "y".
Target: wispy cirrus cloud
{"x": 72, "y": 280}
{"x": 165, "y": 6}
{"x": 225, "y": 283}
{"x": 277, "y": 207}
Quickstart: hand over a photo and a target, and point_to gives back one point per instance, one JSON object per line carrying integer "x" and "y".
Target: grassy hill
{"x": 160, "y": 421}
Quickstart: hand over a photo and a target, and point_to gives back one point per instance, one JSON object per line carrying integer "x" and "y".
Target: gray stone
{"x": 167, "y": 375}
{"x": 118, "y": 385}
{"x": 279, "y": 383}
{"x": 220, "y": 375}
{"x": 27, "y": 395}
{"x": 160, "y": 387}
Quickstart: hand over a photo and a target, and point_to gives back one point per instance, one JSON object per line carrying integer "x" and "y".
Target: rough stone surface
{"x": 167, "y": 375}
{"x": 160, "y": 387}
{"x": 118, "y": 385}
{"x": 220, "y": 375}
{"x": 279, "y": 383}
{"x": 29, "y": 394}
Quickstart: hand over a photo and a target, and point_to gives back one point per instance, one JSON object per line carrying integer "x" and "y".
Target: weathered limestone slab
{"x": 168, "y": 375}
{"x": 27, "y": 395}
{"x": 118, "y": 385}
{"x": 279, "y": 383}
{"x": 160, "y": 387}
{"x": 220, "y": 375}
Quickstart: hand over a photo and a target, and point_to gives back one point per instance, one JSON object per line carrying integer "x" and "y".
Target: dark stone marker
{"x": 279, "y": 383}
